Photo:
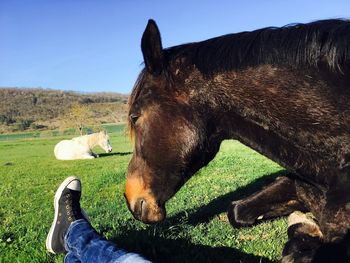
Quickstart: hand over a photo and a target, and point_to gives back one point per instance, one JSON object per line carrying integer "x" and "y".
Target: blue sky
{"x": 94, "y": 45}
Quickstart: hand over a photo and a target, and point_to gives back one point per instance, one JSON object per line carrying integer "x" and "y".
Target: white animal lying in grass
{"x": 81, "y": 147}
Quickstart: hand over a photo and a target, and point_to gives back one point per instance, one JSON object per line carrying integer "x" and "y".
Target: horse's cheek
{"x": 138, "y": 144}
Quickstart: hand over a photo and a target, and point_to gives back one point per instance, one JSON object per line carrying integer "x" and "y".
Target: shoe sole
{"x": 58, "y": 194}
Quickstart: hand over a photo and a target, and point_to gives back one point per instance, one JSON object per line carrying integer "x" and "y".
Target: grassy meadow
{"x": 196, "y": 229}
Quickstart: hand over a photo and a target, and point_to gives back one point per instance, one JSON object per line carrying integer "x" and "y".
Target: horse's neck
{"x": 262, "y": 109}
{"x": 91, "y": 140}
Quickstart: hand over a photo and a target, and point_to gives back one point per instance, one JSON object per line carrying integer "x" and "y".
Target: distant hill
{"x": 23, "y": 108}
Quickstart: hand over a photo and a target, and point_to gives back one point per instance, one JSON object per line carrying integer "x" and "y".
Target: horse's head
{"x": 171, "y": 141}
{"x": 103, "y": 141}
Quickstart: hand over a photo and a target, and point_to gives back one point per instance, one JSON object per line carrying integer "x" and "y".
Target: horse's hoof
{"x": 304, "y": 238}
{"x": 300, "y": 224}
{"x": 237, "y": 216}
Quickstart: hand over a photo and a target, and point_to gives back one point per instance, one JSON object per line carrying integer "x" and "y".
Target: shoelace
{"x": 72, "y": 206}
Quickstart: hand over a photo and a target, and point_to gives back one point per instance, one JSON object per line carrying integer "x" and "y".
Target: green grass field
{"x": 196, "y": 229}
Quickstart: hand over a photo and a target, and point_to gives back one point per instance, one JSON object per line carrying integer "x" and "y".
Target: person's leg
{"x": 72, "y": 232}
{"x": 84, "y": 242}
{"x": 71, "y": 258}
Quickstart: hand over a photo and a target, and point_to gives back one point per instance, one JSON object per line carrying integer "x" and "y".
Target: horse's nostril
{"x": 140, "y": 208}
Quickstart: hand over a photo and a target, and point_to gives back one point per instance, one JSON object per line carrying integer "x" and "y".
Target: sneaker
{"x": 67, "y": 210}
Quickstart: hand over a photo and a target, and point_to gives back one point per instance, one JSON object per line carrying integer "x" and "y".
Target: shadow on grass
{"x": 112, "y": 154}
{"x": 152, "y": 245}
{"x": 159, "y": 249}
{"x": 219, "y": 205}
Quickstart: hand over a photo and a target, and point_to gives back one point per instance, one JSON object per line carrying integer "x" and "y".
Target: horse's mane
{"x": 324, "y": 41}
{"x": 320, "y": 42}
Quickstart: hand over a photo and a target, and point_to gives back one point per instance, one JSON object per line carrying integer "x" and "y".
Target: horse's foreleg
{"x": 306, "y": 242}
{"x": 304, "y": 239}
{"x": 329, "y": 241}
{"x": 277, "y": 199}
{"x": 95, "y": 155}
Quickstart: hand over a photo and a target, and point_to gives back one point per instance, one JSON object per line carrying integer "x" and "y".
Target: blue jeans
{"x": 85, "y": 245}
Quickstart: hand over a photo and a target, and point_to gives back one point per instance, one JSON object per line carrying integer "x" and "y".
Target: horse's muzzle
{"x": 144, "y": 212}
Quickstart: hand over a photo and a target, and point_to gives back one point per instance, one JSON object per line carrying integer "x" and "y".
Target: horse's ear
{"x": 152, "y": 50}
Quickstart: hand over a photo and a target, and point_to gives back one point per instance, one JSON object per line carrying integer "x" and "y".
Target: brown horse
{"x": 283, "y": 92}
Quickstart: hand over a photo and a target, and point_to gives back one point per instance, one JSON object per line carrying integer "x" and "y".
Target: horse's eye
{"x": 133, "y": 118}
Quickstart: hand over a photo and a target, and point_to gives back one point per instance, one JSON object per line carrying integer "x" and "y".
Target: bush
{"x": 6, "y": 120}
{"x": 35, "y": 126}
{"x": 22, "y": 125}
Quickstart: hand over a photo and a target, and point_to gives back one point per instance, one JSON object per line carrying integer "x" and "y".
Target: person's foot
{"x": 67, "y": 210}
